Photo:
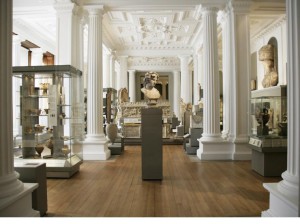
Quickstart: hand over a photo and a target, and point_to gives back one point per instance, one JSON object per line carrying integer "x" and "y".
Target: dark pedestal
{"x": 269, "y": 162}
{"x": 35, "y": 173}
{"x": 115, "y": 149}
{"x": 192, "y": 145}
{"x": 151, "y": 133}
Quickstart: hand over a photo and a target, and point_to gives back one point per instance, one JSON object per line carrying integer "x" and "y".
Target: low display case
{"x": 268, "y": 133}
{"x": 49, "y": 118}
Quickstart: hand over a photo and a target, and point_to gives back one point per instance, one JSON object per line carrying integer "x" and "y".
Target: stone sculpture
{"x": 149, "y": 90}
{"x": 266, "y": 55}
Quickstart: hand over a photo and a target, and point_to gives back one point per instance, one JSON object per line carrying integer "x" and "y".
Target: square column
{"x": 212, "y": 146}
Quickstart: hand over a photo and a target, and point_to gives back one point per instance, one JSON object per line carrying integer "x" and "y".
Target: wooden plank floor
{"x": 190, "y": 188}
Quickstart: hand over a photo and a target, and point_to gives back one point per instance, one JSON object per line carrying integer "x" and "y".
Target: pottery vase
{"x": 112, "y": 132}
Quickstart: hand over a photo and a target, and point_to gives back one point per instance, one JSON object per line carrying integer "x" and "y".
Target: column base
{"x": 19, "y": 205}
{"x": 280, "y": 205}
{"x": 95, "y": 148}
{"x": 241, "y": 150}
{"x": 214, "y": 148}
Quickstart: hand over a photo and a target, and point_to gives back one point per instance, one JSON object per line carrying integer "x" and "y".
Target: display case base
{"x": 56, "y": 168}
{"x": 269, "y": 162}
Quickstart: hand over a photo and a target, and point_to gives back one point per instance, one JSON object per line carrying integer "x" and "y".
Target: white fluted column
{"x": 226, "y": 72}
{"x": 95, "y": 145}
{"x": 106, "y": 70}
{"x": 238, "y": 53}
{"x": 15, "y": 197}
{"x": 112, "y": 61}
{"x": 176, "y": 95}
{"x": 123, "y": 72}
{"x": 200, "y": 70}
{"x": 195, "y": 81}
{"x": 132, "y": 84}
{"x": 284, "y": 196}
{"x": 212, "y": 146}
{"x": 67, "y": 23}
{"x": 118, "y": 76}
{"x": 185, "y": 87}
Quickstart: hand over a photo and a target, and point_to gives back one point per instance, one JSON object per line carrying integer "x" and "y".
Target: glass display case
{"x": 48, "y": 117}
{"x": 268, "y": 130}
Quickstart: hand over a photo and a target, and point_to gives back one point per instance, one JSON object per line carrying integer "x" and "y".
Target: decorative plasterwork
{"x": 153, "y": 61}
{"x": 146, "y": 30}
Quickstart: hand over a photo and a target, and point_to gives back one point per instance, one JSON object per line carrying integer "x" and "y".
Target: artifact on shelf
{"x": 262, "y": 117}
{"x": 149, "y": 90}
{"x": 44, "y": 87}
{"x": 266, "y": 55}
{"x": 39, "y": 148}
{"x": 65, "y": 150}
{"x": 39, "y": 128}
{"x": 283, "y": 126}
{"x": 49, "y": 144}
{"x": 46, "y": 111}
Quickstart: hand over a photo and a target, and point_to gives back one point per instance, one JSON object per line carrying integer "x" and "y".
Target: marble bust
{"x": 149, "y": 90}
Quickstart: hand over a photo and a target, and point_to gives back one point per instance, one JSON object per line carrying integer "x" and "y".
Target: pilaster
{"x": 15, "y": 197}
{"x": 176, "y": 109}
{"x": 284, "y": 196}
{"x": 95, "y": 144}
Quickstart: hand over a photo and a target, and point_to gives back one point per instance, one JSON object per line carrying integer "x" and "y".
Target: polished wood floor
{"x": 190, "y": 188}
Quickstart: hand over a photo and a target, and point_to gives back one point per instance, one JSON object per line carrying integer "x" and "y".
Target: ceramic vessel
{"x": 112, "y": 132}
{"x": 39, "y": 149}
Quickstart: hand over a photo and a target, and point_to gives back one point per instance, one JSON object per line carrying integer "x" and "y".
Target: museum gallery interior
{"x": 137, "y": 108}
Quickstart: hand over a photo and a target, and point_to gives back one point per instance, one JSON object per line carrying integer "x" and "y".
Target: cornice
{"x": 279, "y": 22}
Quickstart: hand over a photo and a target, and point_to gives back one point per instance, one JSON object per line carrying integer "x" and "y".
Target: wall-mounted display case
{"x": 268, "y": 130}
{"x": 49, "y": 117}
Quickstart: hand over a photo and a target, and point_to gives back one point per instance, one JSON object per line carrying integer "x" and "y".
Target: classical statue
{"x": 266, "y": 55}
{"x": 149, "y": 90}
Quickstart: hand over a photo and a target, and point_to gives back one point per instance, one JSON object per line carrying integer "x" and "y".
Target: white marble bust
{"x": 149, "y": 89}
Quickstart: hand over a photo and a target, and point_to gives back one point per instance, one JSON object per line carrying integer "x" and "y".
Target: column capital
{"x": 185, "y": 58}
{"x": 239, "y": 6}
{"x": 211, "y": 6}
{"x": 94, "y": 10}
{"x": 131, "y": 71}
{"x": 64, "y": 6}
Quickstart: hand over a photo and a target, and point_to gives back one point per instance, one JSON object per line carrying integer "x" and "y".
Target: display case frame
{"x": 49, "y": 115}
{"x": 268, "y": 130}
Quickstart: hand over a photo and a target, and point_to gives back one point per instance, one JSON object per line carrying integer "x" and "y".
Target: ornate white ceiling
{"x": 140, "y": 27}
